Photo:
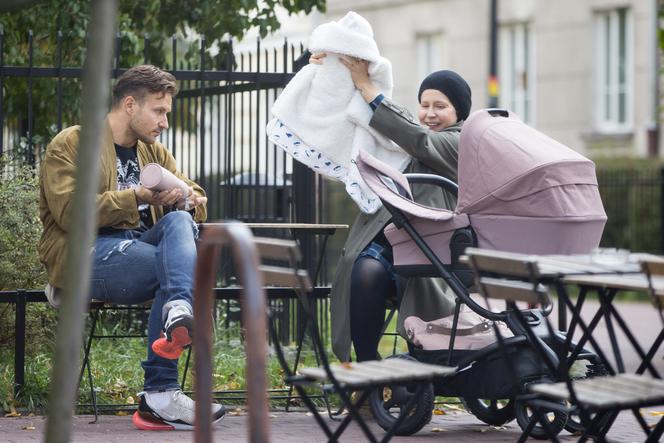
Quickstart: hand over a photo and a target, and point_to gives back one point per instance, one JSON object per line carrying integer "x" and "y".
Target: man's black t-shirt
{"x": 129, "y": 176}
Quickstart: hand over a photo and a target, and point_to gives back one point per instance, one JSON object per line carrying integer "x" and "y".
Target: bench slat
{"x": 382, "y": 371}
{"x": 608, "y": 391}
{"x": 512, "y": 290}
{"x": 273, "y": 275}
{"x": 278, "y": 249}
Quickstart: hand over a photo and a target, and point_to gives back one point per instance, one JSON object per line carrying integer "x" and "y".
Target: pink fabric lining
{"x": 436, "y": 234}
{"x": 530, "y": 235}
{"x": 377, "y": 175}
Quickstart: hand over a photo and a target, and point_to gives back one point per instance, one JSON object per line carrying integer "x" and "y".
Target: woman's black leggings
{"x": 370, "y": 286}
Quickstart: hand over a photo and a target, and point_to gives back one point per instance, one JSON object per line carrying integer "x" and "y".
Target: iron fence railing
{"x": 634, "y": 202}
{"x": 217, "y": 131}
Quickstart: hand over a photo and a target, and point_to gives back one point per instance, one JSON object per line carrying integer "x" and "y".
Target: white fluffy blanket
{"x": 322, "y": 120}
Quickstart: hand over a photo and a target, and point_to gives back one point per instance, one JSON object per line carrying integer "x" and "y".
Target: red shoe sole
{"x": 174, "y": 348}
{"x": 145, "y": 424}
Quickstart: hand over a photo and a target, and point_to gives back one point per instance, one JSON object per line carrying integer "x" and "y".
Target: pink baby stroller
{"x": 518, "y": 191}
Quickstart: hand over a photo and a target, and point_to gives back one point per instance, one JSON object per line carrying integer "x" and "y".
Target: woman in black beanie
{"x": 364, "y": 280}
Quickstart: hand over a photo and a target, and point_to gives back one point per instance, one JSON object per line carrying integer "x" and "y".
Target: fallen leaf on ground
{"x": 453, "y": 407}
{"x": 28, "y": 428}
{"x": 437, "y": 430}
{"x": 438, "y": 411}
{"x": 121, "y": 413}
{"x": 13, "y": 414}
{"x": 656, "y": 413}
{"x": 491, "y": 428}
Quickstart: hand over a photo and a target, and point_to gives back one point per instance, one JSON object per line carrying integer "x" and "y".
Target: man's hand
{"x": 193, "y": 200}
{"x": 359, "y": 72}
{"x": 163, "y": 198}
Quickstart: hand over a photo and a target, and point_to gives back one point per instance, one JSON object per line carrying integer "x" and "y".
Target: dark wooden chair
{"x": 340, "y": 378}
{"x": 597, "y": 400}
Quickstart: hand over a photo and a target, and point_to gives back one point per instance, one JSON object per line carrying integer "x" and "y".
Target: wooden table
{"x": 606, "y": 279}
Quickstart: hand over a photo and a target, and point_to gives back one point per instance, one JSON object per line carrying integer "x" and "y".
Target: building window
{"x": 516, "y": 76}
{"x": 613, "y": 83}
{"x": 431, "y": 54}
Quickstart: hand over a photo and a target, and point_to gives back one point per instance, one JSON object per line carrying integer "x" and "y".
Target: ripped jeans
{"x": 132, "y": 267}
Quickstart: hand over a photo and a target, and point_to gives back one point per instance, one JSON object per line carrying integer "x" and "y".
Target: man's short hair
{"x": 142, "y": 80}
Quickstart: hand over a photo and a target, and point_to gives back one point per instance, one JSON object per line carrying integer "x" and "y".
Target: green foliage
{"x": 159, "y": 20}
{"x": 118, "y": 375}
{"x": 20, "y": 268}
{"x": 20, "y": 228}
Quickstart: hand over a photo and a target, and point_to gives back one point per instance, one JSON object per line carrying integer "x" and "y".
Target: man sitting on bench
{"x": 145, "y": 249}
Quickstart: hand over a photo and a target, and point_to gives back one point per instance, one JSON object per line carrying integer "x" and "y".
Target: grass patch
{"x": 118, "y": 375}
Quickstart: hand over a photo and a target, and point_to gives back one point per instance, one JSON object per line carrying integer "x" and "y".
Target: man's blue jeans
{"x": 132, "y": 267}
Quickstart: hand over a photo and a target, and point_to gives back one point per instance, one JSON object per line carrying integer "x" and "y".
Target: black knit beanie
{"x": 453, "y": 86}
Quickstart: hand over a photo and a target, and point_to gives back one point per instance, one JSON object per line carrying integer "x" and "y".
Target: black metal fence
{"x": 634, "y": 203}
{"x": 217, "y": 123}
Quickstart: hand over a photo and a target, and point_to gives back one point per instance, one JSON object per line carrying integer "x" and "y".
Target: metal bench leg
{"x": 86, "y": 364}
{"x": 656, "y": 433}
{"x": 186, "y": 368}
{"x": 529, "y": 428}
{"x": 353, "y": 414}
{"x": 300, "y": 340}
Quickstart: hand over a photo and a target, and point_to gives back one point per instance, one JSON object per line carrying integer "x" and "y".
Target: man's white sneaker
{"x": 174, "y": 408}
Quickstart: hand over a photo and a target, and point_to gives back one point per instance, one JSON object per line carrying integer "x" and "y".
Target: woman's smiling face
{"x": 436, "y": 111}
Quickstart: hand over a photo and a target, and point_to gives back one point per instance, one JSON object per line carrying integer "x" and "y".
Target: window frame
{"x": 517, "y": 57}
{"x": 612, "y": 82}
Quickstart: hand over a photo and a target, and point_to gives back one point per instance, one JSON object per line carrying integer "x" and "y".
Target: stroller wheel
{"x": 492, "y": 412}
{"x": 556, "y": 419}
{"x": 387, "y": 403}
{"x": 583, "y": 368}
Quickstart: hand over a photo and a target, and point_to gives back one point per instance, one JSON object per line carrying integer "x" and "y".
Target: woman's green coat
{"x": 433, "y": 153}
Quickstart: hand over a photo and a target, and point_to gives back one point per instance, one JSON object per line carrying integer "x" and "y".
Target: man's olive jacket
{"x": 117, "y": 209}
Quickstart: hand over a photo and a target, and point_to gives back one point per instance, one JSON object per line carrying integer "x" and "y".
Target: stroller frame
{"x": 523, "y": 336}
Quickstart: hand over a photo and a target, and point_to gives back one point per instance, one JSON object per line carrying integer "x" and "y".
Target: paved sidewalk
{"x": 295, "y": 427}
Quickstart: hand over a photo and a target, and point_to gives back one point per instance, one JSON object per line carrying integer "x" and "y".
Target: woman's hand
{"x": 359, "y": 72}
{"x": 317, "y": 58}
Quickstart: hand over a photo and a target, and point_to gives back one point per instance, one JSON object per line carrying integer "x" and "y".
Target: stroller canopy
{"x": 509, "y": 168}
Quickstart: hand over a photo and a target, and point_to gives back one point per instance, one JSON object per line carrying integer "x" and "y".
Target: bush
{"x": 20, "y": 229}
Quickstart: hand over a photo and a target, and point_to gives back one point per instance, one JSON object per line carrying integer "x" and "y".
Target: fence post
{"x": 19, "y": 342}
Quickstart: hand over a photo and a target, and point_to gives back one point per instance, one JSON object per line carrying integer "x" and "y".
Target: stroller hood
{"x": 508, "y": 168}
{"x": 517, "y": 184}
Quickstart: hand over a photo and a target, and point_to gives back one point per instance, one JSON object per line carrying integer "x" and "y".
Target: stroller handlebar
{"x": 431, "y": 179}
